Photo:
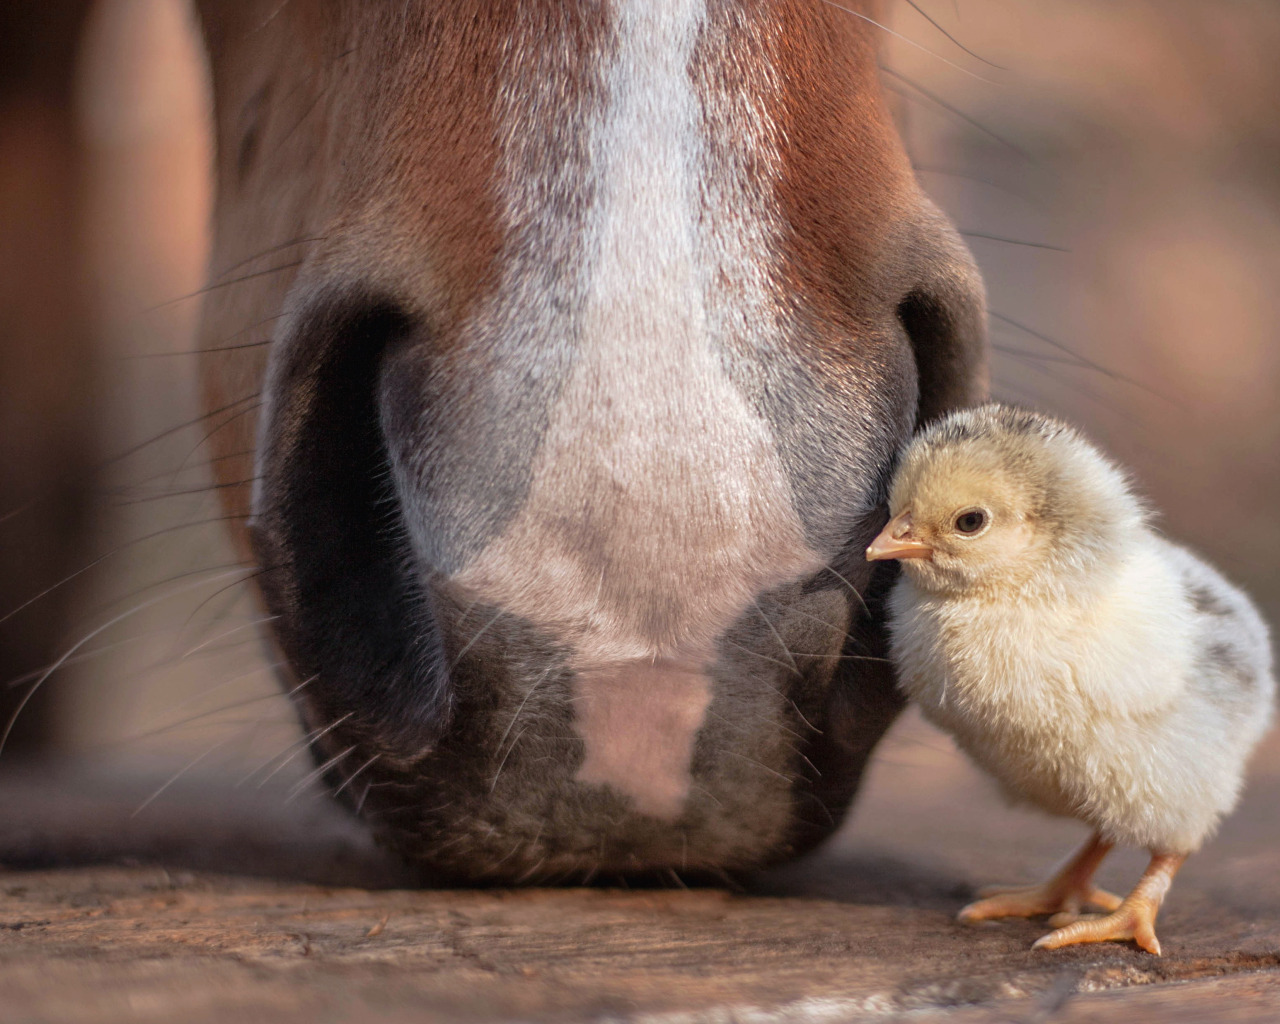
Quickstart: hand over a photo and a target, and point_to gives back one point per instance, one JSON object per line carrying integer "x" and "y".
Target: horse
{"x": 594, "y": 330}
{"x": 556, "y": 356}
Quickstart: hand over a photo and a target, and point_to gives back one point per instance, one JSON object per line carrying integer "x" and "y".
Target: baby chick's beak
{"x": 895, "y": 541}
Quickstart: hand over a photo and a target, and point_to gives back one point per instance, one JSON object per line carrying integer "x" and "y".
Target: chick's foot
{"x": 1134, "y": 919}
{"x": 1038, "y": 900}
{"x": 1064, "y": 895}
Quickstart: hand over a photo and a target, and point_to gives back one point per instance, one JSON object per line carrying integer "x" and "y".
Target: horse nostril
{"x": 944, "y": 317}
{"x": 327, "y": 524}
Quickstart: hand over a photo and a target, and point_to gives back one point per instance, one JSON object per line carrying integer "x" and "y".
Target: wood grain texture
{"x": 212, "y": 905}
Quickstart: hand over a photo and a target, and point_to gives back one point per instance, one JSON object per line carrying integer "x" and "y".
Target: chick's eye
{"x": 971, "y": 521}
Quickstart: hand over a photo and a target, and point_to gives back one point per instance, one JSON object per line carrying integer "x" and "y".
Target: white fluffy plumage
{"x": 1095, "y": 669}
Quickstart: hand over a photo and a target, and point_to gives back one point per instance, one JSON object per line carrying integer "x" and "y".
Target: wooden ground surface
{"x": 216, "y": 905}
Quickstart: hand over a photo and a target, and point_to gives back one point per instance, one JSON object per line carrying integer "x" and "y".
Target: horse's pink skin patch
{"x": 638, "y": 724}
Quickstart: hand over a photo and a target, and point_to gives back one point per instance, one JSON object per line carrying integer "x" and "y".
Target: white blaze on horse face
{"x": 658, "y": 506}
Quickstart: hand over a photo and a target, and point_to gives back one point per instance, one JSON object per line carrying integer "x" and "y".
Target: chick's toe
{"x": 1134, "y": 919}
{"x": 1050, "y": 897}
{"x": 1131, "y": 922}
{"x": 1064, "y": 895}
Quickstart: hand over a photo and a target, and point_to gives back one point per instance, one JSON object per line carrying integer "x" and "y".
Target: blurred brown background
{"x": 1114, "y": 164}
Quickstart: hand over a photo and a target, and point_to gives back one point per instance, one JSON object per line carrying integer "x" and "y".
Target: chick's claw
{"x": 1135, "y": 921}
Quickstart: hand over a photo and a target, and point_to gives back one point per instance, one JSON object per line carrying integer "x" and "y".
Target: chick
{"x": 1095, "y": 669}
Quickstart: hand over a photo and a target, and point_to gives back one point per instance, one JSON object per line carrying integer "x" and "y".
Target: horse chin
{"x": 487, "y": 751}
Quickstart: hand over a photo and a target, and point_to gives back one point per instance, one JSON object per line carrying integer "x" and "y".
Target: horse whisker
{"x": 84, "y": 640}
{"x": 778, "y": 636}
{"x": 351, "y": 778}
{"x": 852, "y": 589}
{"x": 929, "y": 18}
{"x": 315, "y": 774}
{"x": 910, "y": 42}
{"x": 178, "y": 774}
{"x": 306, "y": 742}
{"x": 244, "y": 625}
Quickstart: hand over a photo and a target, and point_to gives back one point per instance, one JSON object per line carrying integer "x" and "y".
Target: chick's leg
{"x": 1063, "y": 895}
{"x": 1135, "y": 918}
